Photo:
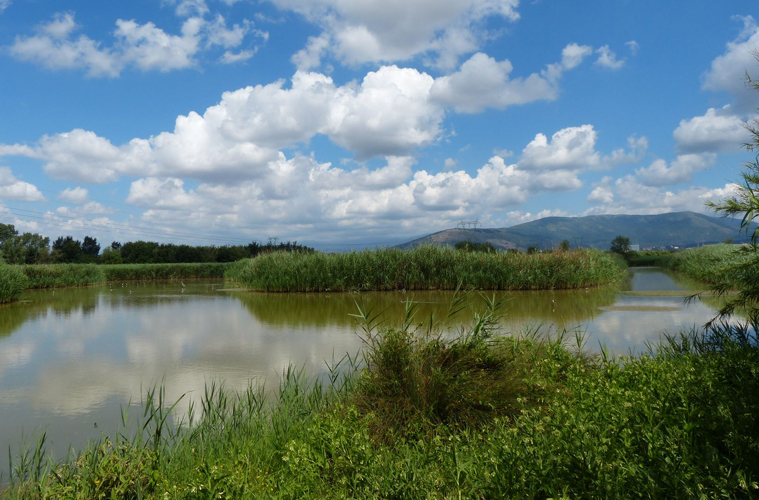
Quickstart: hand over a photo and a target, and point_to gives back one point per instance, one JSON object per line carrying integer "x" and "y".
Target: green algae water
{"x": 71, "y": 358}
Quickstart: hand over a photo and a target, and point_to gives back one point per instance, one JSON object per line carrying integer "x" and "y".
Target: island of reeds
{"x": 425, "y": 268}
{"x": 423, "y": 413}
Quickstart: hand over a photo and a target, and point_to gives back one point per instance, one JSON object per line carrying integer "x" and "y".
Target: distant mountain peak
{"x": 680, "y": 229}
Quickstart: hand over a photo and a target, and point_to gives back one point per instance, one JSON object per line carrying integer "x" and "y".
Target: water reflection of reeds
{"x": 320, "y": 310}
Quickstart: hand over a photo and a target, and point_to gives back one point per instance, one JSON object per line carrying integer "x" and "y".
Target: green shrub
{"x": 13, "y": 282}
{"x": 425, "y": 268}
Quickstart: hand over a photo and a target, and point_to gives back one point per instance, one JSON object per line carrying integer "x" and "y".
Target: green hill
{"x": 681, "y": 229}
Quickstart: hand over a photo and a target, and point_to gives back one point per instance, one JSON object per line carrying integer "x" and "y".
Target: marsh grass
{"x": 425, "y": 268}
{"x": 66, "y": 275}
{"x": 711, "y": 263}
{"x": 63, "y": 275}
{"x": 13, "y": 282}
{"x": 486, "y": 416}
{"x": 127, "y": 272}
{"x": 731, "y": 270}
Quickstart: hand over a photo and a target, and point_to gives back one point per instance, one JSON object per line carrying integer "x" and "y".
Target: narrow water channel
{"x": 71, "y": 358}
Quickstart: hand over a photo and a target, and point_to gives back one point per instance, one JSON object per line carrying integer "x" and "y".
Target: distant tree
{"x": 7, "y": 231}
{"x": 115, "y": 245}
{"x": 564, "y": 245}
{"x": 139, "y": 252}
{"x": 28, "y": 248}
{"x": 728, "y": 241}
{"x": 745, "y": 204}
{"x": 620, "y": 245}
{"x": 67, "y": 249}
{"x": 90, "y": 249}
{"x": 533, "y": 249}
{"x": 470, "y": 246}
{"x": 110, "y": 256}
{"x": 231, "y": 253}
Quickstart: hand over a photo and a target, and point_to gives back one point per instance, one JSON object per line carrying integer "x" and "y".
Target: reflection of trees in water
{"x": 38, "y": 303}
{"x": 320, "y": 310}
{"x": 659, "y": 279}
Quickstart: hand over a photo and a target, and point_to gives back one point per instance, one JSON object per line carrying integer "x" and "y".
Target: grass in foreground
{"x": 425, "y": 268}
{"x": 426, "y": 415}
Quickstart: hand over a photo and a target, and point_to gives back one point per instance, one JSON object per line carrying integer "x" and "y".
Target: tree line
{"x": 33, "y": 248}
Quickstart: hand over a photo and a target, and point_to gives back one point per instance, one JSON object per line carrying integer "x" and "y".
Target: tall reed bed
{"x": 712, "y": 263}
{"x": 424, "y": 268}
{"x": 126, "y": 272}
{"x": 13, "y": 282}
{"x": 731, "y": 270}
{"x": 427, "y": 415}
{"x": 62, "y": 275}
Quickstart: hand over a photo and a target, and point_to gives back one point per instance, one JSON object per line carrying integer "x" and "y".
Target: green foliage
{"x": 658, "y": 258}
{"x": 676, "y": 422}
{"x": 469, "y": 246}
{"x": 125, "y": 272}
{"x": 7, "y": 231}
{"x": 28, "y": 248}
{"x": 13, "y": 282}
{"x": 620, "y": 245}
{"x": 727, "y": 268}
{"x": 90, "y": 249}
{"x": 424, "y": 268}
{"x": 148, "y": 252}
{"x": 61, "y": 275}
{"x": 417, "y": 379}
{"x": 110, "y": 255}
{"x": 67, "y": 250}
{"x": 564, "y": 246}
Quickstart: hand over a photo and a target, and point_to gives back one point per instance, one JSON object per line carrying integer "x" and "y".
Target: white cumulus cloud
{"x": 56, "y": 46}
{"x": 382, "y": 31}
{"x": 681, "y": 169}
{"x": 15, "y": 190}
{"x": 718, "y": 130}
{"x": 76, "y": 196}
{"x": 482, "y": 82}
{"x": 728, "y": 71}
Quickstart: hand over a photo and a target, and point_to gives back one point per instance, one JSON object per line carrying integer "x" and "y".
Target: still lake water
{"x": 72, "y": 358}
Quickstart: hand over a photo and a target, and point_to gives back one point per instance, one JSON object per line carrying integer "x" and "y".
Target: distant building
{"x": 635, "y": 248}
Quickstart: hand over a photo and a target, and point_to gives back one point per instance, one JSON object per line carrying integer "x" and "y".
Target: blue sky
{"x": 340, "y": 123}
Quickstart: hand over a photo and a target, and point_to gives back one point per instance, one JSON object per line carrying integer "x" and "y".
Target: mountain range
{"x": 678, "y": 229}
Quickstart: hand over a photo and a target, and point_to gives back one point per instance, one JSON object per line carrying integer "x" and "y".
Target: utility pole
{"x": 469, "y": 225}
